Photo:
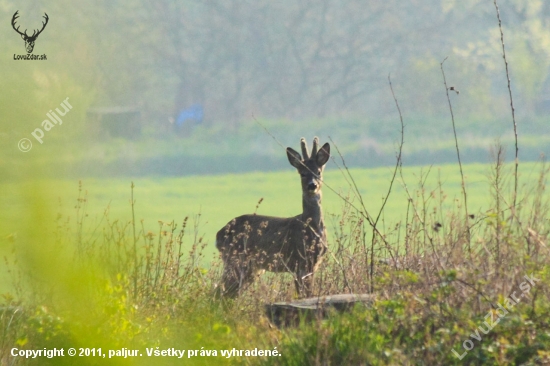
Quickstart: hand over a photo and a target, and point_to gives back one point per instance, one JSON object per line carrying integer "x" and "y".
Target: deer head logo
{"x": 29, "y": 40}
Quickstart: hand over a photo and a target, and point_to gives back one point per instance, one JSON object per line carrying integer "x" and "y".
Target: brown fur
{"x": 253, "y": 244}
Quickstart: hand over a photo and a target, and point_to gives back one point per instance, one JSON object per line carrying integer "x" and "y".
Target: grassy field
{"x": 77, "y": 280}
{"x": 219, "y": 198}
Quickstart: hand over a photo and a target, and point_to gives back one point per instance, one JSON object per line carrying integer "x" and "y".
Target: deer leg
{"x": 230, "y": 283}
{"x": 236, "y": 277}
{"x": 303, "y": 282}
{"x": 298, "y": 283}
{"x": 308, "y": 283}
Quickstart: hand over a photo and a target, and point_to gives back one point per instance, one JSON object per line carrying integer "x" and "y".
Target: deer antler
{"x": 315, "y": 147}
{"x": 305, "y": 154}
{"x": 43, "y": 26}
{"x": 34, "y": 34}
{"x": 15, "y": 16}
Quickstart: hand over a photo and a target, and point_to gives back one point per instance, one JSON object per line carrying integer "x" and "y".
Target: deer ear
{"x": 323, "y": 155}
{"x": 294, "y": 157}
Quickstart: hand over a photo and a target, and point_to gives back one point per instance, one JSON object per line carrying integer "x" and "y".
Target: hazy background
{"x": 300, "y": 68}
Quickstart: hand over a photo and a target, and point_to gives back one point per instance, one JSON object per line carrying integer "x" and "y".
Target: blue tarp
{"x": 194, "y": 113}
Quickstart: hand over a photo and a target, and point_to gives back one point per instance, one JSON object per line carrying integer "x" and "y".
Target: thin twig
{"x": 458, "y": 156}
{"x": 511, "y": 105}
{"x": 364, "y": 212}
{"x": 355, "y": 188}
{"x": 134, "y": 238}
{"x": 399, "y": 153}
{"x": 397, "y": 165}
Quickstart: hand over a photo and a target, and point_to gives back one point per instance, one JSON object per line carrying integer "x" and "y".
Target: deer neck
{"x": 313, "y": 212}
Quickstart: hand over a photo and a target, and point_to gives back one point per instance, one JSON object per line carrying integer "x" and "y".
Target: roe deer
{"x": 251, "y": 244}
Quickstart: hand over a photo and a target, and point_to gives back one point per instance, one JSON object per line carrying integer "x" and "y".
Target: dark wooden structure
{"x": 291, "y": 313}
{"x": 119, "y": 121}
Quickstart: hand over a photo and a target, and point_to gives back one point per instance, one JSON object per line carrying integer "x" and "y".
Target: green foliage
{"x": 403, "y": 329}
{"x": 76, "y": 278}
{"x": 114, "y": 284}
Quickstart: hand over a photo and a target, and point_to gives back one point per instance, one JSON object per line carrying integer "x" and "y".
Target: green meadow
{"x": 76, "y": 278}
{"x": 212, "y": 200}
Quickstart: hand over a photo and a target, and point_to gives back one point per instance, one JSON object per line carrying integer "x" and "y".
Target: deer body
{"x": 253, "y": 244}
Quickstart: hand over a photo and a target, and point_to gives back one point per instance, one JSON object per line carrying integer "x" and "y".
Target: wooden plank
{"x": 291, "y": 313}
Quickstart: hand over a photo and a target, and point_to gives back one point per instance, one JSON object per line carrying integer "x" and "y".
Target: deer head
{"x": 309, "y": 166}
{"x": 29, "y": 40}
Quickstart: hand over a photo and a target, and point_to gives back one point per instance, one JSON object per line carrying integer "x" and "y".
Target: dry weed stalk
{"x": 463, "y": 183}
{"x": 512, "y": 108}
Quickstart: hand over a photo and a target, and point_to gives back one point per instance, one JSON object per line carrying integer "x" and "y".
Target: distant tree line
{"x": 301, "y": 59}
